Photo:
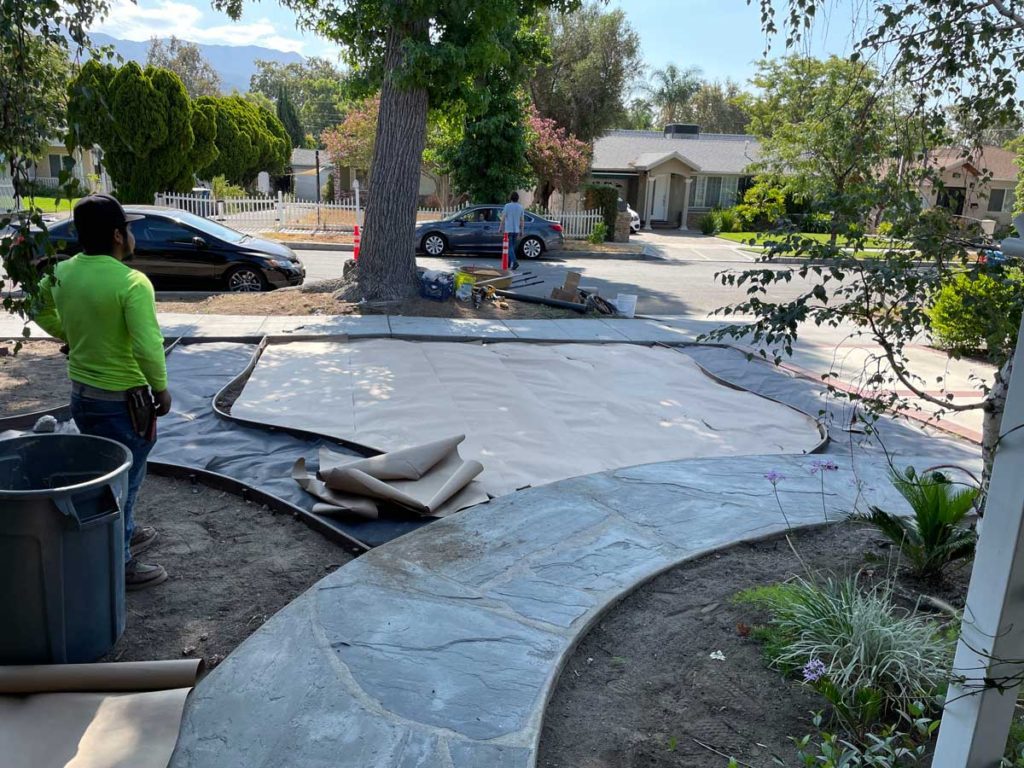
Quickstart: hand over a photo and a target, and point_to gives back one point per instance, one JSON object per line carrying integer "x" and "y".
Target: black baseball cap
{"x": 98, "y": 216}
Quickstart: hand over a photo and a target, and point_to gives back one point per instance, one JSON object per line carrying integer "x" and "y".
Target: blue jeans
{"x": 109, "y": 418}
{"x": 512, "y": 238}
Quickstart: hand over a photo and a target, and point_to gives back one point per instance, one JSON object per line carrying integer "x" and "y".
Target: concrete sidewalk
{"x": 819, "y": 350}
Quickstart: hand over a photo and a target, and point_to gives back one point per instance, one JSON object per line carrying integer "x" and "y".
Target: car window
{"x": 492, "y": 214}
{"x": 153, "y": 230}
{"x": 65, "y": 229}
{"x": 207, "y": 227}
{"x": 474, "y": 216}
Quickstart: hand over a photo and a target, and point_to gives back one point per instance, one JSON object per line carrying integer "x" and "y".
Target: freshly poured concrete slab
{"x": 532, "y": 413}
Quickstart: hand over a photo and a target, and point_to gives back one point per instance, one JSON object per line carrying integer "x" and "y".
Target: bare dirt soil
{"x": 33, "y": 379}
{"x": 232, "y": 565}
{"x": 289, "y": 301}
{"x": 642, "y": 688}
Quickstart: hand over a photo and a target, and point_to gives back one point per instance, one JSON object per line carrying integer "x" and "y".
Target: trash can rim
{"x": 67, "y": 489}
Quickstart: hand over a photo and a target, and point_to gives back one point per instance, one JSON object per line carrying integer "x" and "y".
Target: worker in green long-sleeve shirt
{"x": 106, "y": 313}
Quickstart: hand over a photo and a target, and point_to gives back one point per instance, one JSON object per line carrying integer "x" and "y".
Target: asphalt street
{"x": 678, "y": 278}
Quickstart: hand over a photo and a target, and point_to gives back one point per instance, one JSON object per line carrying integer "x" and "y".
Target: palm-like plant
{"x": 934, "y": 537}
{"x": 672, "y": 90}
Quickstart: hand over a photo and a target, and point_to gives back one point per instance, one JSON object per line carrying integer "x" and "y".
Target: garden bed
{"x": 292, "y": 302}
{"x": 232, "y": 564}
{"x": 673, "y": 676}
{"x": 34, "y": 379}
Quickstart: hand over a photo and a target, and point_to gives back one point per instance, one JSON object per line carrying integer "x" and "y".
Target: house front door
{"x": 659, "y": 197}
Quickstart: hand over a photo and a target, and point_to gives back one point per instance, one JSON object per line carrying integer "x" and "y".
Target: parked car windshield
{"x": 207, "y": 227}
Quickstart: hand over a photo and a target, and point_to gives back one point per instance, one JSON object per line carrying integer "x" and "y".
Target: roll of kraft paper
{"x": 93, "y": 715}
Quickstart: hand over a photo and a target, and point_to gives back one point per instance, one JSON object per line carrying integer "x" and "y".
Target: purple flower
{"x": 823, "y": 466}
{"x": 774, "y": 476}
{"x": 814, "y": 670}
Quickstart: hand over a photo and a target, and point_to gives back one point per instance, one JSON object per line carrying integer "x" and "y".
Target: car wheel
{"x": 531, "y": 248}
{"x": 246, "y": 280}
{"x": 434, "y": 244}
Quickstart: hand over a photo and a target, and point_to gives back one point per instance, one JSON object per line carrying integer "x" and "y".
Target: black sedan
{"x": 177, "y": 249}
{"x": 476, "y": 230}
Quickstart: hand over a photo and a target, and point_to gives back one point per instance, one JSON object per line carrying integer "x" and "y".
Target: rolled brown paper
{"x": 123, "y": 676}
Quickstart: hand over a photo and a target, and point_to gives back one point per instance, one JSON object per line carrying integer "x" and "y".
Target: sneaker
{"x": 141, "y": 575}
{"x": 142, "y": 537}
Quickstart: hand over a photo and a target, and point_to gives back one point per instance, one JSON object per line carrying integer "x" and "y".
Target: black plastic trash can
{"x": 61, "y": 547}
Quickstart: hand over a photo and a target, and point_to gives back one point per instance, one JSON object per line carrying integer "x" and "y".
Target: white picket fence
{"x": 285, "y": 213}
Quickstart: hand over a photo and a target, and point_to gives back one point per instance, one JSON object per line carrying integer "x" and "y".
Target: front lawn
{"x": 49, "y": 204}
{"x": 764, "y": 238}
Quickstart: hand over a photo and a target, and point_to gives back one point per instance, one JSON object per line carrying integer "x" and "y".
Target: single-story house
{"x": 977, "y": 185}
{"x": 672, "y": 177}
{"x": 304, "y": 177}
{"x": 304, "y": 172}
{"x": 84, "y": 165}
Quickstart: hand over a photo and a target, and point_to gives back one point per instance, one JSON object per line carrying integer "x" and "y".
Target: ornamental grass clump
{"x": 868, "y": 657}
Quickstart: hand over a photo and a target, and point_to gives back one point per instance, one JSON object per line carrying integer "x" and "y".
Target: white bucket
{"x": 625, "y": 303}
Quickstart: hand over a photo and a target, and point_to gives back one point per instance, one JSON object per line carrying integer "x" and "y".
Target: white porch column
{"x": 977, "y": 718}
{"x": 686, "y": 204}
{"x": 648, "y": 203}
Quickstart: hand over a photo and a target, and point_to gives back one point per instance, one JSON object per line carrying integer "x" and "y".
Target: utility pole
{"x": 318, "y": 190}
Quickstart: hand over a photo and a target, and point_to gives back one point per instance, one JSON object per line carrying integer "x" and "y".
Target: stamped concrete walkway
{"x": 441, "y": 649}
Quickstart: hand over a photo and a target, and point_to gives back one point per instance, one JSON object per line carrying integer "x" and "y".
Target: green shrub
{"x": 710, "y": 223}
{"x": 818, "y": 223}
{"x": 763, "y": 205}
{"x": 598, "y": 234}
{"x": 875, "y": 659}
{"x": 935, "y": 536}
{"x": 976, "y": 313}
{"x": 222, "y": 190}
{"x": 896, "y": 746}
{"x": 884, "y": 229}
{"x": 606, "y": 198}
{"x": 730, "y": 220}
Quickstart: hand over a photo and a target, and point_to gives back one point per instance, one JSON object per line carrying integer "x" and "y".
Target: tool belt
{"x": 141, "y": 408}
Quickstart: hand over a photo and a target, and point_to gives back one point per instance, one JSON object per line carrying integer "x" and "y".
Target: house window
{"x": 1008, "y": 201}
{"x": 713, "y": 191}
{"x": 57, "y": 162}
{"x": 1000, "y": 201}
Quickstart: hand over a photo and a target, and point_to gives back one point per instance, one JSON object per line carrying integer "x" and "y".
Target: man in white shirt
{"x": 513, "y": 221}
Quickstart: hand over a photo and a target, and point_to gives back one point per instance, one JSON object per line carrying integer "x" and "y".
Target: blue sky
{"x": 722, "y": 37}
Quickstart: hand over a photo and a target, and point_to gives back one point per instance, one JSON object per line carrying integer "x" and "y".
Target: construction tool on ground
{"x": 570, "y": 290}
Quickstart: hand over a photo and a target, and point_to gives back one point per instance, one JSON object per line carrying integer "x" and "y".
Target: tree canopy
{"x": 954, "y": 58}
{"x": 37, "y": 40}
{"x": 422, "y": 54}
{"x": 350, "y": 143}
{"x": 559, "y": 160}
{"x": 285, "y": 110}
{"x": 249, "y": 139}
{"x": 717, "y": 107}
{"x": 595, "y": 57}
{"x": 318, "y": 89}
{"x": 186, "y": 61}
{"x": 831, "y": 129}
{"x": 143, "y": 157}
{"x": 489, "y": 161}
{"x": 671, "y": 90}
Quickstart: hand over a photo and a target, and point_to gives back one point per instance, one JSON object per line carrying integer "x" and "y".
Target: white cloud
{"x": 164, "y": 18}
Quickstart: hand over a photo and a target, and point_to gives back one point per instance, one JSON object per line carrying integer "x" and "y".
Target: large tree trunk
{"x": 387, "y": 257}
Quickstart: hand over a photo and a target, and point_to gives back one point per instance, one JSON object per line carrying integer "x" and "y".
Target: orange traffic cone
{"x": 355, "y": 246}
{"x": 504, "y": 250}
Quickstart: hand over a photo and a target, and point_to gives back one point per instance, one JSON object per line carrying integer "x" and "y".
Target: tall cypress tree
{"x": 290, "y": 119}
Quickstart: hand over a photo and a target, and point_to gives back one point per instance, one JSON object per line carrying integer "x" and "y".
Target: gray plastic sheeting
{"x": 894, "y": 437}
{"x": 194, "y": 436}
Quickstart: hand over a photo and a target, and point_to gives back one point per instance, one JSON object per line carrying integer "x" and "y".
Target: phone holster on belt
{"x": 142, "y": 412}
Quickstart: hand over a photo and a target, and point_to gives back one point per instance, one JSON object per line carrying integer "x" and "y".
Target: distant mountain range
{"x": 234, "y": 63}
